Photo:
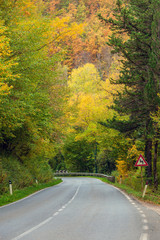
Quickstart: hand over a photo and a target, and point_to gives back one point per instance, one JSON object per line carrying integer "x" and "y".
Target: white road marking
{"x": 47, "y": 220}
{"x": 55, "y": 214}
{"x": 145, "y": 227}
{"x": 144, "y": 220}
{"x": 140, "y": 211}
{"x": 34, "y": 228}
{"x": 144, "y": 236}
{"x": 20, "y": 200}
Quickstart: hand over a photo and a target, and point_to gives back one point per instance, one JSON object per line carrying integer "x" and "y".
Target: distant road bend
{"x": 79, "y": 209}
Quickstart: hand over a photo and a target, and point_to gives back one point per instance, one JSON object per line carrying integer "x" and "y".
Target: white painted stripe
{"x": 145, "y": 227}
{"x": 33, "y": 229}
{"x": 47, "y": 220}
{"x": 124, "y": 194}
{"x": 145, "y": 221}
{"x": 20, "y": 200}
{"x": 144, "y": 236}
{"x": 55, "y": 214}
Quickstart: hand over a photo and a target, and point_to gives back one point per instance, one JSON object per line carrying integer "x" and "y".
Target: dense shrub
{"x": 12, "y": 169}
{"x": 40, "y": 169}
{"x": 23, "y": 175}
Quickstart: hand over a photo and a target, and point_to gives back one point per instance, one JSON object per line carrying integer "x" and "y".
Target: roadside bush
{"x": 23, "y": 175}
{"x": 40, "y": 169}
{"x": 133, "y": 180}
{"x": 12, "y": 169}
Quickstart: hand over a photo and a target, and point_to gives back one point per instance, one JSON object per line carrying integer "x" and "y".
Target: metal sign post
{"x": 141, "y": 162}
{"x": 142, "y": 178}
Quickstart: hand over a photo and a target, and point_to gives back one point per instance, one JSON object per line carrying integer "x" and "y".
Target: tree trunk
{"x": 148, "y": 156}
{"x": 155, "y": 165}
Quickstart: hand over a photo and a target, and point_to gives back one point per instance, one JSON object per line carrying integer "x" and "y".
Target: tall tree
{"x": 7, "y": 76}
{"x": 89, "y": 44}
{"x": 132, "y": 38}
{"x": 30, "y": 117}
{"x": 155, "y": 60}
{"x": 88, "y": 105}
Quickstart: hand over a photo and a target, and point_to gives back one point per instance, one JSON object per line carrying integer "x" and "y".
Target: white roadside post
{"x": 145, "y": 189}
{"x": 120, "y": 179}
{"x": 36, "y": 180}
{"x": 10, "y": 187}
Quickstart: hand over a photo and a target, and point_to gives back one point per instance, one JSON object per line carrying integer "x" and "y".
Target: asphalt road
{"x": 79, "y": 209}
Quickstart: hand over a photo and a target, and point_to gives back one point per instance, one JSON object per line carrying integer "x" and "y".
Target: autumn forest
{"x": 79, "y": 89}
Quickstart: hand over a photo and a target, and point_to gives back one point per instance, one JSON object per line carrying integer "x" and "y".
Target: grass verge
{"x": 22, "y": 193}
{"x": 150, "y": 197}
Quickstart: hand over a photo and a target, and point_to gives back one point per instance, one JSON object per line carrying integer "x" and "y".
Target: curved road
{"x": 78, "y": 209}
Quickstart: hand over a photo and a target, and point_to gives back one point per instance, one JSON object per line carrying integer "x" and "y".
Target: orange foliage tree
{"x": 86, "y": 39}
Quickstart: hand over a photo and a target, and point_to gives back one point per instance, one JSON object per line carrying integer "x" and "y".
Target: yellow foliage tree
{"x": 125, "y": 164}
{"x": 5, "y": 64}
{"x": 65, "y": 34}
{"x": 121, "y": 167}
{"x": 84, "y": 79}
{"x": 132, "y": 156}
{"x": 88, "y": 104}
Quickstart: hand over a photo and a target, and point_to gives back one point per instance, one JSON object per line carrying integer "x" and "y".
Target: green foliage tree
{"x": 87, "y": 106}
{"x": 78, "y": 155}
{"x": 31, "y": 80}
{"x": 139, "y": 98}
{"x": 155, "y": 60}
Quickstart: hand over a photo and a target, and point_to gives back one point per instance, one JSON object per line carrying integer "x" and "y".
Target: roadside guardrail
{"x": 67, "y": 174}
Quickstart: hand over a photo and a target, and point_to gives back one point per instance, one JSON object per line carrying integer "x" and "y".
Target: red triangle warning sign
{"x": 141, "y": 161}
